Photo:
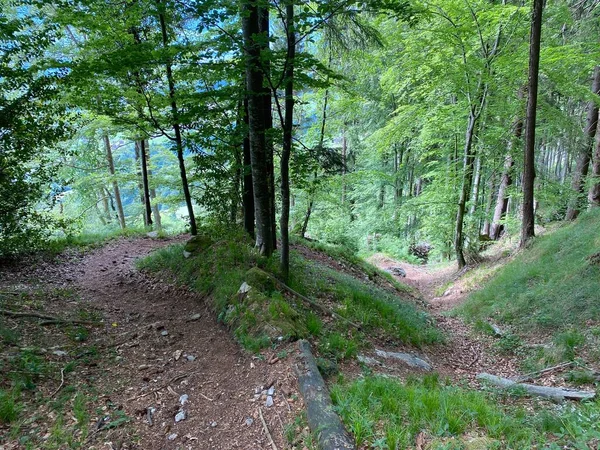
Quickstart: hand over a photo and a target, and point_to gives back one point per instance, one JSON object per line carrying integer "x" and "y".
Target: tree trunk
{"x": 155, "y": 206}
{"x": 476, "y": 182}
{"x": 263, "y": 26}
{"x": 258, "y": 147}
{"x": 177, "y": 129}
{"x": 306, "y": 218}
{"x": 528, "y": 220}
{"x": 584, "y": 157}
{"x": 468, "y": 163}
{"x": 487, "y": 224}
{"x": 140, "y": 183}
{"x": 594, "y": 194}
{"x": 106, "y": 209}
{"x": 147, "y": 206}
{"x": 248, "y": 196}
{"x": 287, "y": 141}
{"x": 115, "y": 184}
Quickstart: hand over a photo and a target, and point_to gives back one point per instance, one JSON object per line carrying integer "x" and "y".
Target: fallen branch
{"x": 322, "y": 419}
{"x": 556, "y": 394}
{"x": 62, "y": 382}
{"x": 163, "y": 386}
{"x": 262, "y": 419}
{"x": 49, "y": 320}
{"x": 538, "y": 373}
{"x": 324, "y": 309}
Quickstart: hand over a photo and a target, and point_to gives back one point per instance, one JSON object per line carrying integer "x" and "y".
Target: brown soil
{"x": 465, "y": 353}
{"x": 151, "y": 353}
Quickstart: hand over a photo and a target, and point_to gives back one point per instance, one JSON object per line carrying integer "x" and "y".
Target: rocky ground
{"x": 164, "y": 374}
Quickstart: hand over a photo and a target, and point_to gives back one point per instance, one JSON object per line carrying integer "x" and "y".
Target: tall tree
{"x": 288, "y": 126}
{"x": 115, "y": 183}
{"x": 175, "y": 120}
{"x": 528, "y": 220}
{"x": 253, "y": 44}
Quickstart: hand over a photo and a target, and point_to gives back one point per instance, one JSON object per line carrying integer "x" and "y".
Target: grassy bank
{"x": 549, "y": 288}
{"x": 268, "y": 314}
{"x": 384, "y": 413}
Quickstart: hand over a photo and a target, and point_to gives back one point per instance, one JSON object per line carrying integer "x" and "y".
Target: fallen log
{"x": 311, "y": 302}
{"x": 553, "y": 393}
{"x": 322, "y": 419}
{"x": 407, "y": 358}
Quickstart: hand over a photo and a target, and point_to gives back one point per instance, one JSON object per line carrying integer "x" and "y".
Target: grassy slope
{"x": 266, "y": 313}
{"x": 551, "y": 286}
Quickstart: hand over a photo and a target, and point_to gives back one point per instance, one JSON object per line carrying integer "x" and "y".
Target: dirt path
{"x": 465, "y": 353}
{"x": 158, "y": 343}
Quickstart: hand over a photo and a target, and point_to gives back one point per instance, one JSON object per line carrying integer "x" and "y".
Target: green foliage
{"x": 32, "y": 122}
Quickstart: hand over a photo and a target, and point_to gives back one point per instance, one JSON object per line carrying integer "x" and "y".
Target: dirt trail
{"x": 465, "y": 353}
{"x": 159, "y": 342}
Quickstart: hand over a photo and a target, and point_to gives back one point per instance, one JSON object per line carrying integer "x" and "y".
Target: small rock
{"x": 213, "y": 424}
{"x": 186, "y": 254}
{"x": 183, "y": 399}
{"x": 271, "y": 391}
{"x": 59, "y": 353}
{"x": 172, "y": 436}
{"x": 269, "y": 401}
{"x": 195, "y": 317}
{"x": 190, "y": 357}
{"x": 143, "y": 366}
{"x": 244, "y": 288}
{"x": 249, "y": 421}
{"x": 177, "y": 354}
{"x": 181, "y": 415}
{"x": 152, "y": 234}
{"x": 164, "y": 332}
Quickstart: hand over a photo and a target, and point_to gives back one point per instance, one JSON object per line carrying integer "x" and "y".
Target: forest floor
{"x": 119, "y": 385}
{"x": 151, "y": 352}
{"x": 465, "y": 351}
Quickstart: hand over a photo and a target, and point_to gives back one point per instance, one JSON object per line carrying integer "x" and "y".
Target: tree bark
{"x": 248, "y": 195}
{"x": 594, "y": 194}
{"x": 287, "y": 141}
{"x": 528, "y": 220}
{"x": 258, "y": 148}
{"x": 115, "y": 184}
{"x": 263, "y": 26}
{"x": 147, "y": 206}
{"x": 177, "y": 128}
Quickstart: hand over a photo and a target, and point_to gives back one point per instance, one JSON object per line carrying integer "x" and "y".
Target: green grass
{"x": 385, "y": 413}
{"x": 550, "y": 287}
{"x": 265, "y": 316}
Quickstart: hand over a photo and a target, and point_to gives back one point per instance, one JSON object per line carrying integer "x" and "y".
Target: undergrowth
{"x": 268, "y": 314}
{"x": 550, "y": 288}
{"x": 384, "y": 413}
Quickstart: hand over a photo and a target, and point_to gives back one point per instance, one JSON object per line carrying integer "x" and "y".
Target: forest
{"x": 414, "y": 175}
